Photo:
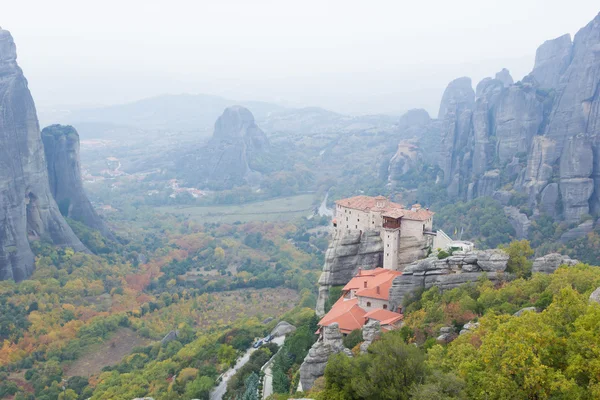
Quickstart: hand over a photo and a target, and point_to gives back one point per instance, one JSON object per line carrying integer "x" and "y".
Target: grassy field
{"x": 106, "y": 353}
{"x": 281, "y": 209}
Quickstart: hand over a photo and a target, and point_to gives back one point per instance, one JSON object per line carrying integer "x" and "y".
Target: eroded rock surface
{"x": 61, "y": 147}
{"x": 550, "y": 262}
{"x": 347, "y": 252}
{"x": 315, "y": 362}
{"x": 370, "y": 333}
{"x": 27, "y": 209}
{"x": 448, "y": 273}
{"x": 227, "y": 159}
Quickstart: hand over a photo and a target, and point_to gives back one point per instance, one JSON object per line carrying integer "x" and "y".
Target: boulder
{"x": 446, "y": 335}
{"x": 550, "y": 262}
{"x": 282, "y": 328}
{"x": 469, "y": 327}
{"x": 523, "y": 310}
{"x": 595, "y": 296}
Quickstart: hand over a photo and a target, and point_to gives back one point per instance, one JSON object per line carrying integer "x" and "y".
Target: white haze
{"x": 346, "y": 55}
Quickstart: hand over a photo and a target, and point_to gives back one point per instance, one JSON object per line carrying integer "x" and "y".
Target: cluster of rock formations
{"x": 61, "y": 147}
{"x": 541, "y": 135}
{"x": 226, "y": 160}
{"x": 348, "y": 252}
{"x": 28, "y": 210}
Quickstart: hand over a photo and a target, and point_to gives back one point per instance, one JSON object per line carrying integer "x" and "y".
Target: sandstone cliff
{"x": 226, "y": 160}
{"x": 347, "y": 252}
{"x": 61, "y": 148}
{"x": 539, "y": 136}
{"x": 27, "y": 208}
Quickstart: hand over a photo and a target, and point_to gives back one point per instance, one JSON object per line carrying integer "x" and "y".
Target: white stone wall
{"x": 374, "y": 303}
{"x": 391, "y": 244}
{"x": 355, "y": 220}
{"x": 415, "y": 228}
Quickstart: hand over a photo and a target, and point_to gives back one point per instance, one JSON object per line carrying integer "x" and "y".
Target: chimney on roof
{"x": 359, "y": 271}
{"x": 381, "y": 201}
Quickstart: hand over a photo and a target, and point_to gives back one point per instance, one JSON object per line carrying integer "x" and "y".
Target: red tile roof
{"x": 392, "y": 210}
{"x": 366, "y": 203}
{"x": 375, "y": 278}
{"x": 385, "y": 317}
{"x": 347, "y": 314}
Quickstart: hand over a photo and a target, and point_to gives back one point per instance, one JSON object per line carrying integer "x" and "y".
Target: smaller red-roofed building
{"x": 364, "y": 298}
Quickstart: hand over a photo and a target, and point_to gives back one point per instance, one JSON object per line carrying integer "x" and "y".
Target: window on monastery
{"x": 387, "y": 254}
{"x": 368, "y": 304}
{"x": 355, "y": 226}
{"x": 358, "y": 220}
{"x": 365, "y": 284}
{"x": 388, "y": 245}
{"x": 346, "y": 218}
{"x": 385, "y": 306}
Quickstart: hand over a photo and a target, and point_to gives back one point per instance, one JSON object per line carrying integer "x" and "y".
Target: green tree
{"x": 519, "y": 252}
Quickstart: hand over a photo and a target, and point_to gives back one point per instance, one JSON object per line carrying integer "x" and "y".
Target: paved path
{"x": 218, "y": 392}
{"x": 268, "y": 380}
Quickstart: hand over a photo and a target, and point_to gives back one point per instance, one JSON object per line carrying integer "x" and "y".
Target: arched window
{"x": 368, "y": 304}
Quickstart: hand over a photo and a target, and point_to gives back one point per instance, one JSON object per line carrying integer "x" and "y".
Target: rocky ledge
{"x": 550, "y": 262}
{"x": 448, "y": 273}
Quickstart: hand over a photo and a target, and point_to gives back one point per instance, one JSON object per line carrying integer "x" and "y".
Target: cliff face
{"x": 347, "y": 252}
{"x": 226, "y": 159}
{"x": 61, "y": 148}
{"x": 540, "y": 135}
{"x": 27, "y": 208}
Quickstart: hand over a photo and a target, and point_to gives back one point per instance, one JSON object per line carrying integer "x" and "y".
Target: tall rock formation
{"x": 27, "y": 209}
{"x": 61, "y": 147}
{"x": 226, "y": 160}
{"x": 539, "y": 136}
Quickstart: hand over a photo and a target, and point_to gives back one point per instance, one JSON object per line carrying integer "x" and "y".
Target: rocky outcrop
{"x": 61, "y": 148}
{"x": 282, "y": 328}
{"x": 315, "y": 362}
{"x": 448, "y": 273}
{"x": 347, "y": 252}
{"x": 551, "y": 61}
{"x": 595, "y": 296}
{"x": 447, "y": 335}
{"x": 579, "y": 231}
{"x": 469, "y": 327}
{"x": 227, "y": 159}
{"x": 524, "y": 310}
{"x": 370, "y": 333}
{"x": 550, "y": 262}
{"x": 519, "y": 221}
{"x": 27, "y": 209}
{"x": 504, "y": 77}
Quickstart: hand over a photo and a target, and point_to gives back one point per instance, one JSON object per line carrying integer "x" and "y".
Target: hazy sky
{"x": 346, "y": 55}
